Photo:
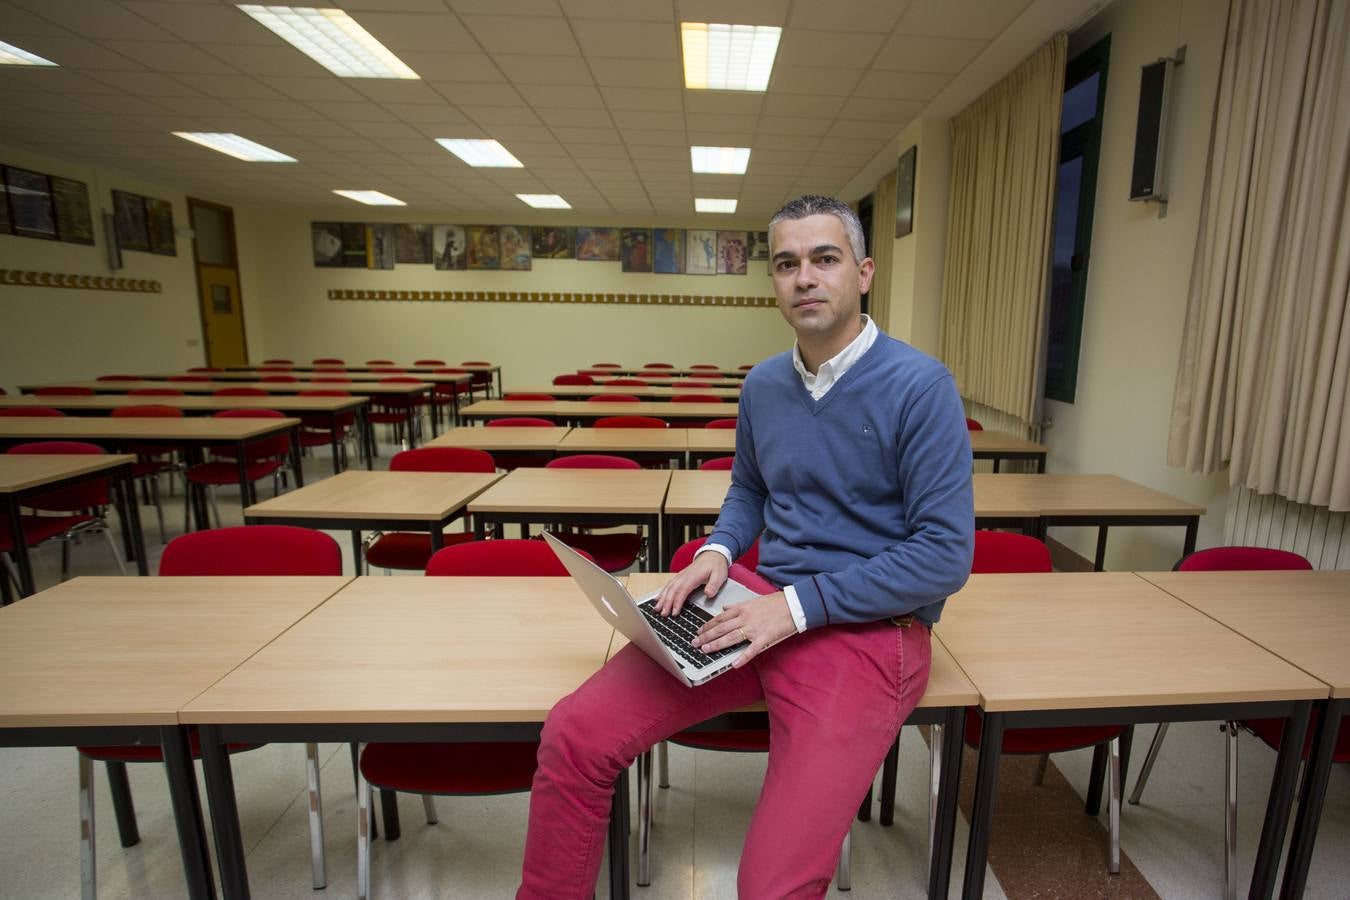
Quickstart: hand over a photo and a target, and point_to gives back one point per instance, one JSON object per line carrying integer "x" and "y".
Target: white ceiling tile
{"x": 586, "y": 135}
{"x": 913, "y": 53}
{"x": 124, "y": 104}
{"x": 780, "y": 104}
{"x": 960, "y": 18}
{"x": 80, "y": 53}
{"x": 633, "y": 40}
{"x": 871, "y": 16}
{"x": 96, "y": 20}
{"x": 200, "y": 107}
{"x": 353, "y": 112}
{"x": 803, "y": 47}
{"x": 426, "y": 112}
{"x": 879, "y": 110}
{"x": 773, "y": 125}
{"x": 582, "y": 118}
{"x": 390, "y": 131}
{"x": 507, "y": 7}
{"x": 656, "y": 138}
{"x": 500, "y": 115}
{"x": 230, "y": 87}
{"x": 18, "y": 23}
{"x": 636, "y": 119}
{"x": 146, "y": 84}
{"x": 276, "y": 109}
{"x": 204, "y": 23}
{"x": 562, "y": 96}
{"x": 536, "y": 152}
{"x": 476, "y": 67}
{"x": 663, "y": 154}
{"x": 172, "y": 57}
{"x": 636, "y": 10}
{"x": 441, "y": 33}
{"x": 715, "y": 122}
{"x": 853, "y": 128}
{"x": 743, "y": 103}
{"x": 742, "y": 12}
{"x": 394, "y": 90}
{"x": 508, "y": 133}
{"x": 507, "y": 34}
{"x": 591, "y": 152}
{"x": 550, "y": 70}
{"x": 645, "y": 99}
{"x": 720, "y": 138}
{"x": 651, "y": 73}
{"x": 902, "y": 85}
{"x": 780, "y": 142}
{"x": 262, "y": 61}
{"x": 479, "y": 94}
{"x": 319, "y": 128}
{"x": 326, "y": 88}
{"x": 814, "y": 80}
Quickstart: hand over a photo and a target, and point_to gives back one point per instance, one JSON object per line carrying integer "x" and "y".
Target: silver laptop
{"x": 665, "y": 640}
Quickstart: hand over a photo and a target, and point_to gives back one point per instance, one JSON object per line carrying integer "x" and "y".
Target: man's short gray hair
{"x": 815, "y": 205}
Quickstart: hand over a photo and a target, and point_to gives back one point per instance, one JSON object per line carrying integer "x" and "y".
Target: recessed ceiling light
{"x": 15, "y": 56}
{"x": 714, "y": 205}
{"x": 720, "y": 160}
{"x": 371, "y": 198}
{"x": 728, "y": 57}
{"x": 332, "y": 39}
{"x": 236, "y": 146}
{"x": 482, "y": 154}
{"x": 544, "y": 201}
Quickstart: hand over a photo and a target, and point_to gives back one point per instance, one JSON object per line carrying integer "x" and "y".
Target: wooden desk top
{"x": 198, "y": 428}
{"x": 666, "y": 381}
{"x": 715, "y": 439}
{"x": 661, "y": 409}
{"x": 696, "y": 493}
{"x": 618, "y": 491}
{"x": 712, "y": 440}
{"x": 1082, "y": 495}
{"x": 490, "y": 439}
{"x": 133, "y": 651}
{"x": 307, "y": 377}
{"x": 564, "y": 391}
{"x": 355, "y": 494}
{"x": 420, "y": 650}
{"x": 363, "y": 388}
{"x": 21, "y": 471}
{"x": 997, "y": 500}
{"x": 309, "y": 367}
{"x": 738, "y": 374}
{"x": 601, "y": 440}
{"x": 947, "y": 684}
{"x": 1103, "y": 639}
{"x": 103, "y": 402}
{"x": 987, "y": 441}
{"x": 1301, "y": 617}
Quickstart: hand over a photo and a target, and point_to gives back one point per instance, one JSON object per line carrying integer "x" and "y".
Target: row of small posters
{"x": 666, "y": 251}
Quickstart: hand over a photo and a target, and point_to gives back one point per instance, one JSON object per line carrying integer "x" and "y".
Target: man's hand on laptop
{"x": 707, "y": 571}
{"x": 763, "y": 621}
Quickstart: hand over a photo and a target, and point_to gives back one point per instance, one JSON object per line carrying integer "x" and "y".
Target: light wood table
{"x": 998, "y": 446}
{"x": 579, "y": 411}
{"x": 656, "y": 373}
{"x": 1036, "y": 649}
{"x": 111, "y": 661}
{"x": 670, "y": 381}
{"x": 193, "y": 434}
{"x": 579, "y": 497}
{"x": 376, "y": 501}
{"x": 1101, "y": 501}
{"x": 524, "y": 439}
{"x": 643, "y": 444}
{"x": 655, "y": 392}
{"x": 1303, "y": 618}
{"x": 24, "y": 474}
{"x": 406, "y": 659}
{"x": 706, "y": 443}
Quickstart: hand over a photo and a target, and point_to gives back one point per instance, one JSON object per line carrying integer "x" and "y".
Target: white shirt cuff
{"x": 725, "y": 551}
{"x": 795, "y": 607}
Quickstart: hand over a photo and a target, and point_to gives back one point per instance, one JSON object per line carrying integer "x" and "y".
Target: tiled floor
{"x": 1044, "y": 846}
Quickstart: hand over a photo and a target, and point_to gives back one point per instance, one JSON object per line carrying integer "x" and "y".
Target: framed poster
{"x": 326, "y": 239}
{"x": 449, "y": 244}
{"x": 354, "y": 245}
{"x": 515, "y": 245}
{"x": 759, "y": 245}
{"x": 484, "y": 248}
{"x": 412, "y": 243}
{"x": 74, "y": 219}
{"x": 379, "y": 246}
{"x": 6, "y": 226}
{"x": 551, "y": 243}
{"x": 732, "y": 253}
{"x": 159, "y": 216}
{"x": 30, "y": 203}
{"x": 700, "y": 252}
{"x": 635, "y": 249}
{"x": 668, "y": 251}
{"x": 904, "y": 191}
{"x": 598, "y": 244}
{"x": 133, "y": 229}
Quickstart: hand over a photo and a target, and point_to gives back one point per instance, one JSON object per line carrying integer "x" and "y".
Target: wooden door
{"x": 218, "y": 296}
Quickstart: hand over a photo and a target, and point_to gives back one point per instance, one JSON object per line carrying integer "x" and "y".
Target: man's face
{"x": 818, "y": 282}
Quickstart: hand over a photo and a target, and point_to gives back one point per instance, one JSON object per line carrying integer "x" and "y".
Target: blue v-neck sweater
{"x": 864, "y": 496}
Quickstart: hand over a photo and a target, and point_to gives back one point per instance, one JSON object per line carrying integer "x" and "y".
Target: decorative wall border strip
{"x": 79, "y": 282}
{"x": 549, "y": 297}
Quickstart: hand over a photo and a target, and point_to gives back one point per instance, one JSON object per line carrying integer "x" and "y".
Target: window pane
{"x": 213, "y": 236}
{"x": 1062, "y": 338}
{"x": 1080, "y": 103}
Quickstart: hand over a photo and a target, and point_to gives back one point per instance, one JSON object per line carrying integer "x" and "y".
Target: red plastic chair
{"x": 63, "y": 390}
{"x": 263, "y": 458}
{"x": 454, "y": 769}
{"x": 705, "y": 366}
{"x": 695, "y": 398}
{"x": 155, "y": 392}
{"x": 1243, "y": 559}
{"x": 480, "y": 379}
{"x": 627, "y": 382}
{"x": 631, "y": 422}
{"x": 657, "y": 366}
{"x": 519, "y": 422}
{"x": 606, "y": 366}
{"x": 972, "y": 425}
{"x": 593, "y": 461}
{"x": 686, "y": 552}
{"x": 330, "y": 370}
{"x": 20, "y": 412}
{"x": 379, "y": 362}
{"x": 396, "y": 411}
{"x": 613, "y": 398}
{"x": 318, "y": 430}
{"x": 258, "y": 550}
{"x": 523, "y": 459}
{"x": 745, "y": 368}
{"x": 328, "y": 361}
{"x": 612, "y": 552}
{"x": 720, "y": 423}
{"x": 429, "y": 362}
{"x": 573, "y": 378}
{"x": 333, "y": 379}
{"x": 278, "y": 362}
{"x": 448, "y": 393}
{"x": 717, "y": 464}
{"x": 151, "y": 462}
{"x": 239, "y": 392}
{"x": 412, "y": 550}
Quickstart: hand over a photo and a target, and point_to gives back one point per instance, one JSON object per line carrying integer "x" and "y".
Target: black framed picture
{"x": 133, "y": 228}
{"x": 551, "y": 242}
{"x": 904, "y": 191}
{"x": 412, "y": 243}
{"x": 515, "y": 246}
{"x": 668, "y": 251}
{"x": 74, "y": 219}
{"x": 6, "y": 226}
{"x": 159, "y": 220}
{"x": 30, "y": 203}
{"x": 635, "y": 249}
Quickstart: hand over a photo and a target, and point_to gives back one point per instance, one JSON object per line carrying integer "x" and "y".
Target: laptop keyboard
{"x": 677, "y": 631}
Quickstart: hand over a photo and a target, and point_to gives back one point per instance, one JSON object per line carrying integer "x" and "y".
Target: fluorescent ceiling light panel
{"x": 15, "y": 56}
{"x": 234, "y": 145}
{"x": 728, "y": 57}
{"x": 720, "y": 160}
{"x": 332, "y": 39}
{"x": 371, "y": 198}
{"x": 714, "y": 205}
{"x": 481, "y": 154}
{"x": 544, "y": 201}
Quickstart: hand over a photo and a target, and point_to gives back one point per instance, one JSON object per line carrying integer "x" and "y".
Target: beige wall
{"x": 1137, "y": 278}
{"x": 56, "y": 333}
{"x": 916, "y": 273}
{"x": 289, "y": 315}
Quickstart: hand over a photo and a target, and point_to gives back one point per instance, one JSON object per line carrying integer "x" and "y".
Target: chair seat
{"x": 611, "y": 552}
{"x": 490, "y": 767}
{"x": 153, "y": 752}
{"x": 408, "y": 549}
{"x": 1043, "y": 740}
{"x": 318, "y": 438}
{"x": 1272, "y": 730}
{"x": 739, "y": 740}
{"x": 37, "y": 529}
{"x": 228, "y": 472}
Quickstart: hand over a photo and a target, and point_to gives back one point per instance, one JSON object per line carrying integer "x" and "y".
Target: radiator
{"x": 1267, "y": 520}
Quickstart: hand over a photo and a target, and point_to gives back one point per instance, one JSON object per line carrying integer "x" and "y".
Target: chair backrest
{"x": 541, "y": 398}
{"x": 59, "y": 448}
{"x": 63, "y": 390}
{"x": 1001, "y": 551}
{"x": 33, "y": 411}
{"x": 379, "y": 362}
{"x": 628, "y": 382}
{"x": 119, "y": 378}
{"x": 475, "y": 362}
{"x": 196, "y": 378}
{"x": 745, "y": 368}
{"x": 705, "y": 366}
{"x": 147, "y": 411}
{"x": 720, "y": 423}
{"x": 328, "y": 361}
{"x": 504, "y": 558}
{"x": 606, "y": 366}
{"x": 573, "y": 378}
{"x": 85, "y": 495}
{"x": 1241, "y": 559}
{"x": 972, "y": 425}
{"x": 267, "y": 448}
{"x": 657, "y": 366}
{"x": 443, "y": 459}
{"x": 695, "y": 398}
{"x": 613, "y": 398}
{"x": 519, "y": 422}
{"x": 428, "y": 362}
{"x": 155, "y": 392}
{"x": 278, "y": 362}
{"x": 631, "y": 422}
{"x": 252, "y": 550}
{"x": 239, "y": 392}
{"x": 685, "y": 555}
{"x": 717, "y": 464}
{"x": 288, "y": 378}
{"x": 593, "y": 461}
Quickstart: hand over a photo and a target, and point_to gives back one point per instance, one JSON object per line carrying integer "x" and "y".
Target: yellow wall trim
{"x": 82, "y": 282}
{"x": 547, "y": 297}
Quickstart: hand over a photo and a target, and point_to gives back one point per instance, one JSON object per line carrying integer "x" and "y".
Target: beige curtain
{"x": 883, "y": 249}
{"x": 1263, "y": 378}
{"x": 1005, "y": 150}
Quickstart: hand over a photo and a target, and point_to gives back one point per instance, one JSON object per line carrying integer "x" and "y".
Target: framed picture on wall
{"x": 484, "y": 246}
{"x": 600, "y": 244}
{"x": 636, "y": 249}
{"x": 354, "y": 249}
{"x": 904, "y": 191}
{"x": 159, "y": 219}
{"x": 450, "y": 243}
{"x": 731, "y": 253}
{"x": 74, "y": 219}
{"x": 551, "y": 242}
{"x": 380, "y": 247}
{"x": 668, "y": 251}
{"x": 412, "y": 244}
{"x": 30, "y": 203}
{"x": 759, "y": 245}
{"x": 133, "y": 229}
{"x": 6, "y": 225}
{"x": 326, "y": 242}
{"x": 515, "y": 244}
{"x": 700, "y": 252}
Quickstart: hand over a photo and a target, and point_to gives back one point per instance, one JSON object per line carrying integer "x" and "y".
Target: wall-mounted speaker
{"x": 1148, "y": 176}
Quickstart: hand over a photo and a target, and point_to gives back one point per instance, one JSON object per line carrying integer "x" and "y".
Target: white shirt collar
{"x": 834, "y": 368}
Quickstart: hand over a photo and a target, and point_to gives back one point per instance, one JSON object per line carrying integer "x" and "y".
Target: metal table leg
{"x": 187, "y": 812}
{"x": 224, "y": 814}
{"x": 1279, "y": 802}
{"x": 982, "y": 815}
{"x": 21, "y": 558}
{"x": 949, "y": 786}
{"x": 1315, "y": 778}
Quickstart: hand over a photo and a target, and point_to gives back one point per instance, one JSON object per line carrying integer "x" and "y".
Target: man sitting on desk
{"x": 853, "y": 460}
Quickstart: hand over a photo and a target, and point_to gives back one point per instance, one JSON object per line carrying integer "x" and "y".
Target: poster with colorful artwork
{"x": 731, "y": 253}
{"x": 636, "y": 249}
{"x": 412, "y": 243}
{"x": 484, "y": 249}
{"x": 551, "y": 242}
{"x": 449, "y": 243}
{"x": 759, "y": 245}
{"x": 700, "y": 252}
{"x": 668, "y": 251}
{"x": 598, "y": 244}
{"x": 515, "y": 245}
